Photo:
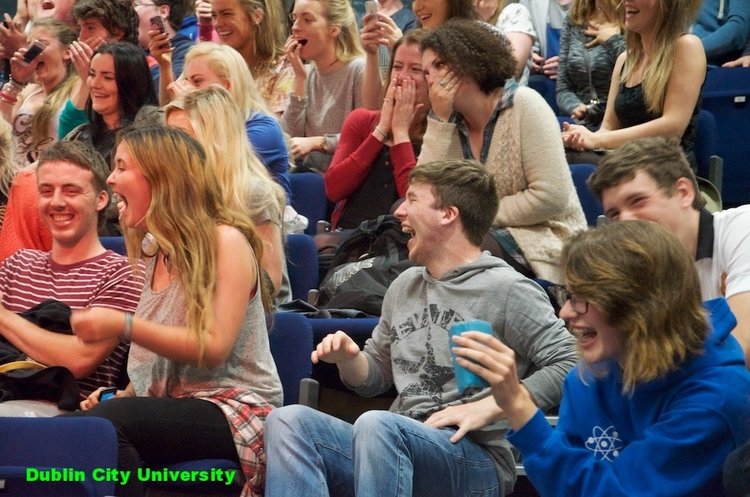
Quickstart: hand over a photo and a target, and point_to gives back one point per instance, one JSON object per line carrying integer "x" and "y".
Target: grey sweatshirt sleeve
{"x": 540, "y": 340}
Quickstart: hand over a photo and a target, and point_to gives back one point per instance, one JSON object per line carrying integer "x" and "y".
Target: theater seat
{"x": 31, "y": 447}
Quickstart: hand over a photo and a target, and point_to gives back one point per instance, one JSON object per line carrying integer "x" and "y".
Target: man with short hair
{"x": 433, "y": 440}
{"x": 78, "y": 271}
{"x": 106, "y": 20}
{"x": 651, "y": 179}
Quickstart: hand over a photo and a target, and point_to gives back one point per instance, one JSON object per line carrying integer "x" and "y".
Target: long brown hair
{"x": 643, "y": 280}
{"x": 184, "y": 212}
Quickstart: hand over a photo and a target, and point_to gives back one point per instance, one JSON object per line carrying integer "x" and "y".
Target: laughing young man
{"x": 433, "y": 440}
{"x": 78, "y": 271}
{"x": 650, "y": 179}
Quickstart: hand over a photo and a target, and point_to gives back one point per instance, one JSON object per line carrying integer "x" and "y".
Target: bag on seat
{"x": 364, "y": 265}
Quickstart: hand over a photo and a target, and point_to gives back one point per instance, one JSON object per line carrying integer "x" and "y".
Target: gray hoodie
{"x": 410, "y": 346}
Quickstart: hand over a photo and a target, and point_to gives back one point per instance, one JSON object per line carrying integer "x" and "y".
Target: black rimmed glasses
{"x": 562, "y": 295}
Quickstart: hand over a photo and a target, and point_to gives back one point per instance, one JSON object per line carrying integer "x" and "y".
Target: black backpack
{"x": 364, "y": 265}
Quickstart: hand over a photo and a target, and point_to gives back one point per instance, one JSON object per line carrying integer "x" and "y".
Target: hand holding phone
{"x": 33, "y": 51}
{"x": 157, "y": 24}
{"x": 107, "y": 393}
{"x": 371, "y": 7}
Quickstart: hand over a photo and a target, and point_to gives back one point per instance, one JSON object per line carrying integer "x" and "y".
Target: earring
{"x": 149, "y": 245}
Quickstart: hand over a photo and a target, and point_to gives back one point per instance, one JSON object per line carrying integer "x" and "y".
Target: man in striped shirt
{"x": 77, "y": 271}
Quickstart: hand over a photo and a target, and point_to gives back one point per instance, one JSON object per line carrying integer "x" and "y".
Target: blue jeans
{"x": 382, "y": 455}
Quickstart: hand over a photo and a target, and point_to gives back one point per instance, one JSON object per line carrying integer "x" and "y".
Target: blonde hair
{"x": 53, "y": 101}
{"x": 229, "y": 66}
{"x": 646, "y": 285}
{"x": 674, "y": 19}
{"x": 186, "y": 206}
{"x": 219, "y": 127}
{"x": 341, "y": 14}
{"x": 270, "y": 33}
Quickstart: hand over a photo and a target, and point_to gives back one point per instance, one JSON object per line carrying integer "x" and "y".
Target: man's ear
{"x": 684, "y": 188}
{"x": 102, "y": 200}
{"x": 450, "y": 214}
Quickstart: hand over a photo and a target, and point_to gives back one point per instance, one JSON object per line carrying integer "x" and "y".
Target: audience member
{"x": 211, "y": 116}
{"x": 324, "y": 35}
{"x": 514, "y": 21}
{"x": 723, "y": 27}
{"x": 651, "y": 179}
{"x": 119, "y": 84}
{"x": 256, "y": 29}
{"x": 590, "y": 43}
{"x": 433, "y": 440}
{"x": 547, "y": 17}
{"x": 208, "y": 63}
{"x": 656, "y": 82}
{"x": 378, "y": 149}
{"x": 48, "y": 81}
{"x": 78, "y": 271}
{"x": 737, "y": 472}
{"x": 171, "y": 41}
{"x": 479, "y": 112}
{"x": 101, "y": 21}
{"x": 200, "y": 357}
{"x": 430, "y": 14}
{"x": 647, "y": 411}
{"x": 380, "y": 31}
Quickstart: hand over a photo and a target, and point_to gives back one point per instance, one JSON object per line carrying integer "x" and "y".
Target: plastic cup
{"x": 465, "y": 378}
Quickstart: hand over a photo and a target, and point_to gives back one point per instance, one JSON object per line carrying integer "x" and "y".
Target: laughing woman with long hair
{"x": 200, "y": 365}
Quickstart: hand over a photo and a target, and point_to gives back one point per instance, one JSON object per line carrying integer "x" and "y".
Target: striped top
{"x": 31, "y": 276}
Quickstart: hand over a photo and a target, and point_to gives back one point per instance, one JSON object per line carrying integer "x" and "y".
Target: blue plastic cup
{"x": 465, "y": 378}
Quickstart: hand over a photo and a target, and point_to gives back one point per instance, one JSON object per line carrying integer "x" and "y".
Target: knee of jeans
{"x": 281, "y": 420}
{"x": 376, "y": 425}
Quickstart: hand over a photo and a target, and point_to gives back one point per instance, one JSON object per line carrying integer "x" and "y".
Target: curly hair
{"x": 113, "y": 14}
{"x": 473, "y": 50}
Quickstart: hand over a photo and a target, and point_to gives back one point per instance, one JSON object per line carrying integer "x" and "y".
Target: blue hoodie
{"x": 723, "y": 27}
{"x": 669, "y": 438}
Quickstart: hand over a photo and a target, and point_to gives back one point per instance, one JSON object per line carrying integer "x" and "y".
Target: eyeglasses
{"x": 562, "y": 295}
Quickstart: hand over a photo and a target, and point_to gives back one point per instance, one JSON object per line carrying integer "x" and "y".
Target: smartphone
{"x": 371, "y": 7}
{"x": 107, "y": 393}
{"x": 157, "y": 24}
{"x": 33, "y": 51}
